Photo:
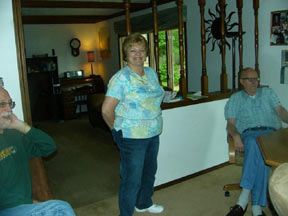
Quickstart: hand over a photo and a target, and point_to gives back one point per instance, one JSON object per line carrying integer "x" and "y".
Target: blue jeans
{"x": 138, "y": 167}
{"x": 255, "y": 173}
{"x": 48, "y": 208}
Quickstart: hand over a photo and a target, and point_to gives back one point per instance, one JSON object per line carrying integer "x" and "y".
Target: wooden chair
{"x": 40, "y": 187}
{"x": 81, "y": 94}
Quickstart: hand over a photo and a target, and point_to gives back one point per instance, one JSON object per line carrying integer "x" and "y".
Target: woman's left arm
{"x": 108, "y": 110}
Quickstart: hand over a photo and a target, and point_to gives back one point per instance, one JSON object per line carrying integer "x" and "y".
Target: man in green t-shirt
{"x": 18, "y": 143}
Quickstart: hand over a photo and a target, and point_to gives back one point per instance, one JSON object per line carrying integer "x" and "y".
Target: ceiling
{"x": 78, "y": 11}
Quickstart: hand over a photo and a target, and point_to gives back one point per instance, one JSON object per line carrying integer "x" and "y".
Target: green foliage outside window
{"x": 163, "y": 59}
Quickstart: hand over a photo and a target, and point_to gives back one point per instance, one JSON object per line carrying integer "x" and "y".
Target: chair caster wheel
{"x": 227, "y": 193}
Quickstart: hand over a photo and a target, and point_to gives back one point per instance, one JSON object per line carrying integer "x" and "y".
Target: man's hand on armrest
{"x": 232, "y": 131}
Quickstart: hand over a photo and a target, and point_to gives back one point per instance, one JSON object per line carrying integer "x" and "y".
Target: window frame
{"x": 169, "y": 55}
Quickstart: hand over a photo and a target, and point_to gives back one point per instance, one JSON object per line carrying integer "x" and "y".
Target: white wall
{"x": 8, "y": 59}
{"x": 41, "y": 39}
{"x": 270, "y": 56}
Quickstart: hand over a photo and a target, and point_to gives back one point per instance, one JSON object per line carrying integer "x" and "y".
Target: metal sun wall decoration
{"x": 214, "y": 27}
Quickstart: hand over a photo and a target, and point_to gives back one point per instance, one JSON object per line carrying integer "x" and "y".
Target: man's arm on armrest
{"x": 232, "y": 131}
{"x": 282, "y": 113}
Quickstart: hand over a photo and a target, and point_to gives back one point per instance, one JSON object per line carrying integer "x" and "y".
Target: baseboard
{"x": 159, "y": 187}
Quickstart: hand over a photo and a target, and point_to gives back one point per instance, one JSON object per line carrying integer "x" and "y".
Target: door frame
{"x": 21, "y": 60}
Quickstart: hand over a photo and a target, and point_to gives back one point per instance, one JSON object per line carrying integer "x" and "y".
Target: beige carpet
{"x": 86, "y": 166}
{"x": 199, "y": 196}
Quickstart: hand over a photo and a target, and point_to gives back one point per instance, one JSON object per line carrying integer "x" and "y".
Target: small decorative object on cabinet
{"x": 44, "y": 88}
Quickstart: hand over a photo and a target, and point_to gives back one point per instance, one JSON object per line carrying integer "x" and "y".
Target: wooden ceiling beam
{"x": 79, "y": 4}
{"x": 86, "y": 4}
{"x": 70, "y": 19}
{"x": 62, "y": 19}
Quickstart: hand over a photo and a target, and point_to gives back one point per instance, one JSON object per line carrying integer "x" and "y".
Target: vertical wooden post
{"x": 240, "y": 45}
{"x": 204, "y": 77}
{"x": 182, "y": 81}
{"x": 256, "y": 7}
{"x": 156, "y": 38}
{"x": 127, "y": 13}
{"x": 223, "y": 46}
{"x": 169, "y": 60}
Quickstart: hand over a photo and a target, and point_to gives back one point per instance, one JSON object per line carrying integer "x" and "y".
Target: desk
{"x": 274, "y": 147}
{"x": 68, "y": 96}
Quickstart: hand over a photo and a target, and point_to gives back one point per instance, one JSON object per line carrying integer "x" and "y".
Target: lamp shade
{"x": 91, "y": 56}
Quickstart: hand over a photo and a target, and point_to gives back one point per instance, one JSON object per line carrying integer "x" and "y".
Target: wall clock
{"x": 75, "y": 45}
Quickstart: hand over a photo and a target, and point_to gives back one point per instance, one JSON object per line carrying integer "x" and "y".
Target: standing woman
{"x": 132, "y": 111}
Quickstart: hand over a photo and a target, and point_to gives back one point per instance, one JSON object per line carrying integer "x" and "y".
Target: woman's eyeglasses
{"x": 10, "y": 103}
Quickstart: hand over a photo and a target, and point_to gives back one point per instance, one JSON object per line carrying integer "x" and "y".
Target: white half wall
{"x": 194, "y": 138}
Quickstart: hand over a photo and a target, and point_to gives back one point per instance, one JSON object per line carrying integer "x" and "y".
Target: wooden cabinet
{"x": 43, "y": 83}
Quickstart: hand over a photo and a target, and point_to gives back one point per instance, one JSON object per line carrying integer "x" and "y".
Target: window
{"x": 169, "y": 60}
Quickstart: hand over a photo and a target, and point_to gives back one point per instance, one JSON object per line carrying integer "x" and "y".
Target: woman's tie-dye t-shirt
{"x": 138, "y": 114}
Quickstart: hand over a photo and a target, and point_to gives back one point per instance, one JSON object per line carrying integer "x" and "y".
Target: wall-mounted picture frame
{"x": 104, "y": 42}
{"x": 279, "y": 28}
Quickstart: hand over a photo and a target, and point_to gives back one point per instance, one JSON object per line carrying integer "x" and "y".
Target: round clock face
{"x": 75, "y": 43}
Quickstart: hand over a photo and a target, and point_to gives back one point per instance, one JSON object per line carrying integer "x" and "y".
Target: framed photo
{"x": 279, "y": 28}
{"x": 104, "y": 42}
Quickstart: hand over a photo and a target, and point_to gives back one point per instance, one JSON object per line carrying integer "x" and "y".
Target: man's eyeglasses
{"x": 10, "y": 103}
{"x": 252, "y": 79}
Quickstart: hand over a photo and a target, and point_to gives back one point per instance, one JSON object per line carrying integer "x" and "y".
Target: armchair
{"x": 40, "y": 188}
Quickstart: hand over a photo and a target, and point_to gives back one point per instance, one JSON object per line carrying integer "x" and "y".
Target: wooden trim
{"x": 127, "y": 14}
{"x": 156, "y": 38}
{"x": 169, "y": 60}
{"x": 84, "y": 4}
{"x": 21, "y": 60}
{"x": 223, "y": 76}
{"x": 256, "y": 7}
{"x": 182, "y": 81}
{"x": 71, "y": 19}
{"x": 240, "y": 42}
{"x": 187, "y": 102}
{"x": 62, "y": 19}
{"x": 204, "y": 77}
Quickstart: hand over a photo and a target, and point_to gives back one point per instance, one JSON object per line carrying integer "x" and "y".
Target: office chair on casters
{"x": 235, "y": 157}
